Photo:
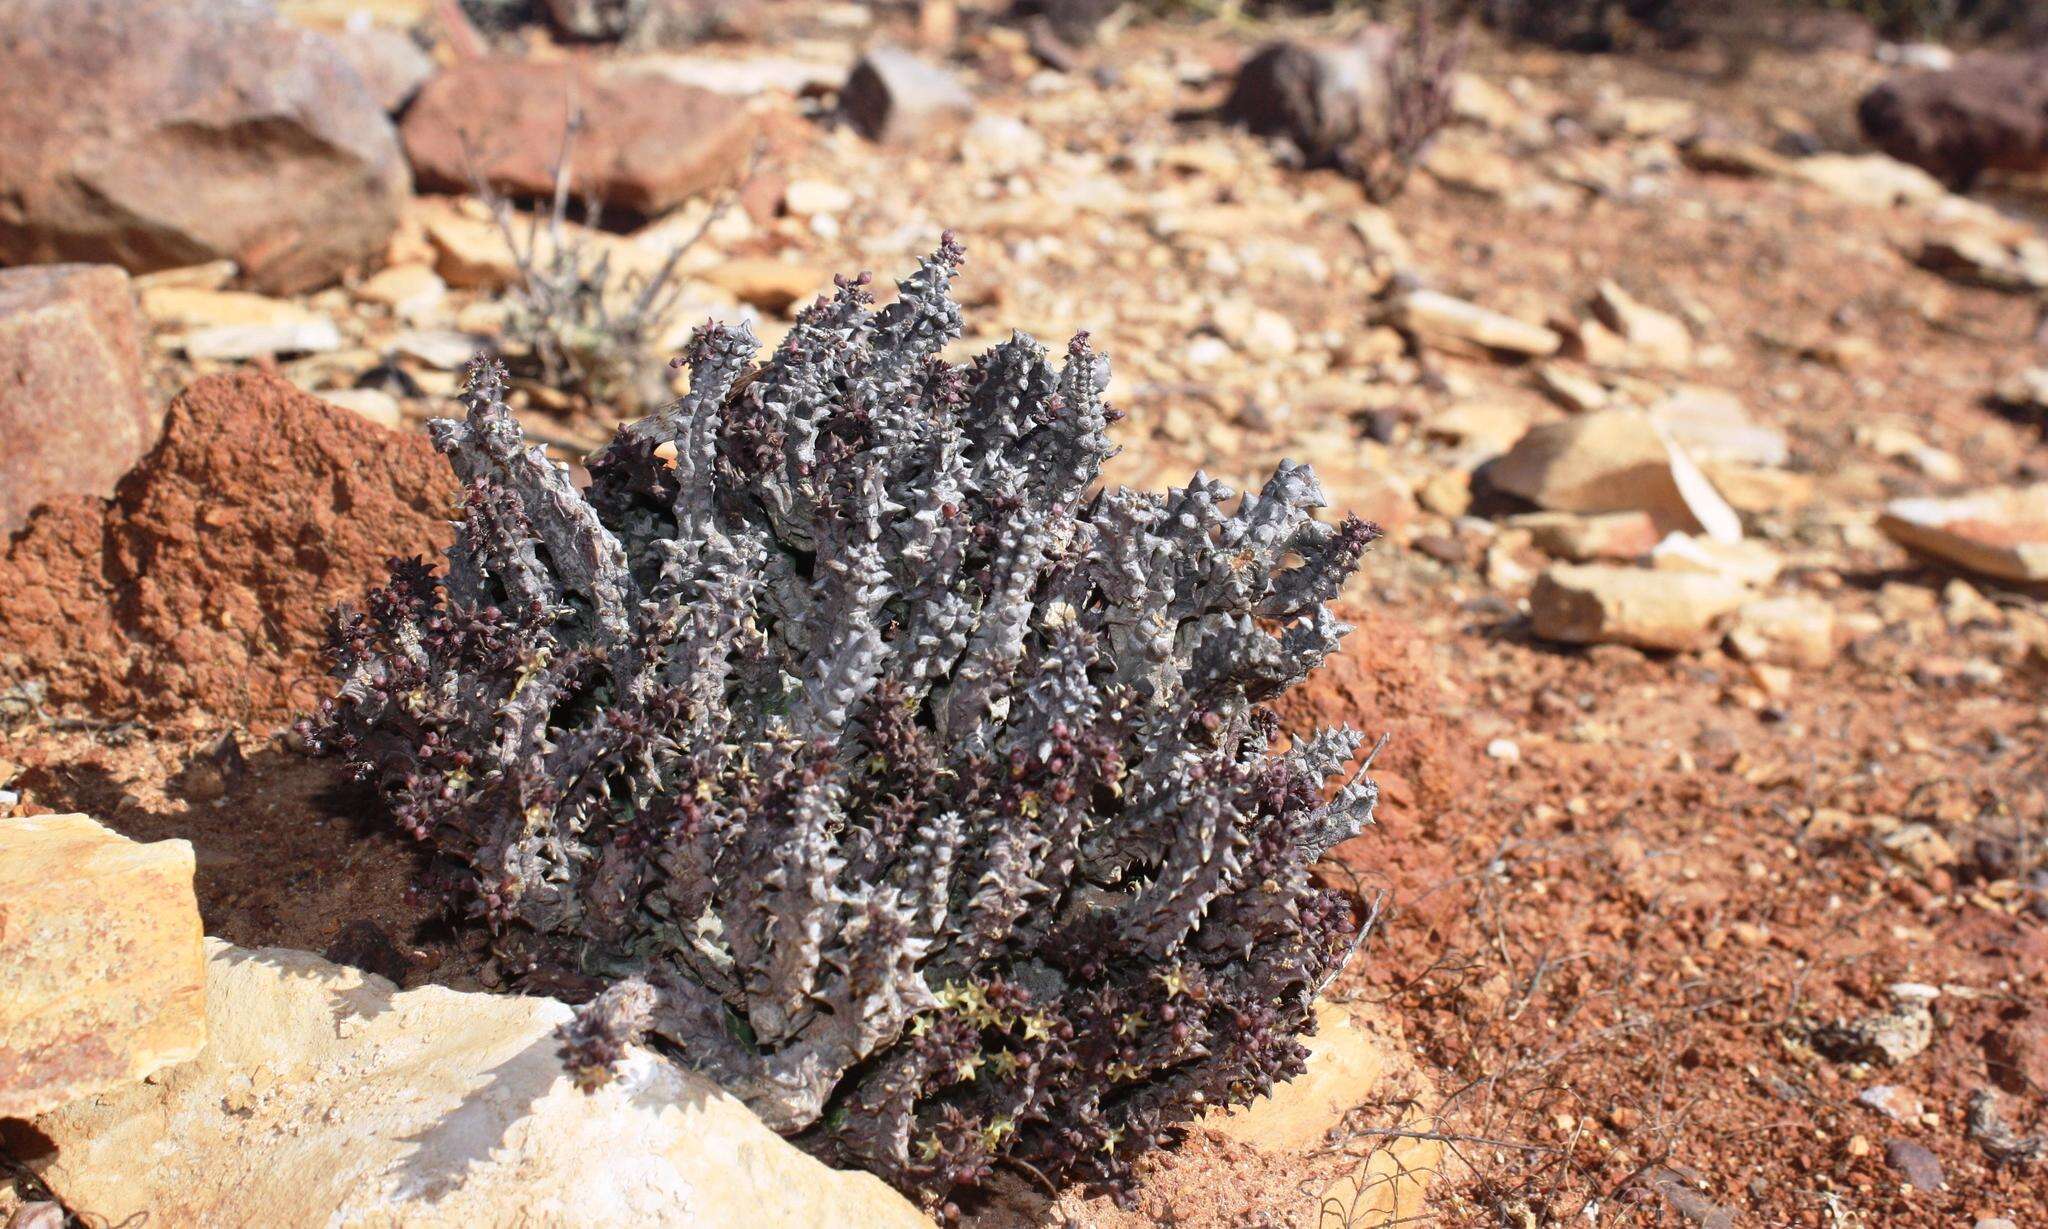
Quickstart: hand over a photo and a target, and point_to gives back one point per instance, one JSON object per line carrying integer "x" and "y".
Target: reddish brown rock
{"x": 224, "y": 134}
{"x": 1988, "y": 113}
{"x": 204, "y": 584}
{"x": 647, "y": 143}
{"x": 73, "y": 412}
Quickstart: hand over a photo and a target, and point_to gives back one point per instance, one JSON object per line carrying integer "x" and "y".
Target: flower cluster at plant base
{"x": 927, "y": 788}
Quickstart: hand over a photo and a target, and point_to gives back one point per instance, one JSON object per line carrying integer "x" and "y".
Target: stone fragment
{"x": 391, "y": 64}
{"x": 805, "y": 198}
{"x": 745, "y": 78}
{"x": 440, "y": 349}
{"x": 1580, "y": 538}
{"x": 1725, "y": 156}
{"x": 1919, "y": 1166}
{"x": 224, "y": 134}
{"x": 206, "y": 275}
{"x": 1641, "y": 118}
{"x": 1760, "y": 491}
{"x": 645, "y": 143}
{"x": 1896, "y": 1103}
{"x": 1001, "y": 145}
{"x": 74, "y": 413}
{"x": 237, "y": 342}
{"x": 1476, "y": 100}
{"x": 1577, "y": 393}
{"x": 2026, "y": 390}
{"x": 1654, "y": 338}
{"x": 1692, "y": 1206}
{"x": 1713, "y": 427}
{"x": 1980, "y": 259}
{"x": 1467, "y": 163}
{"x": 325, "y": 1096}
{"x": 102, "y": 974}
{"x": 1260, "y": 333}
{"x": 769, "y": 284}
{"x": 892, "y": 95}
{"x": 1614, "y": 461}
{"x": 1606, "y": 604}
{"x": 1869, "y": 179}
{"x": 408, "y": 290}
{"x": 472, "y": 253}
{"x": 2001, "y": 533}
{"x": 1439, "y": 320}
{"x": 183, "y": 307}
{"x": 1902, "y": 1033}
{"x": 372, "y": 404}
{"x": 1746, "y": 562}
{"x": 1798, "y": 630}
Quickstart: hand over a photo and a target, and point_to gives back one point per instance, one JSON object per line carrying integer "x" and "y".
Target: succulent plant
{"x": 926, "y": 786}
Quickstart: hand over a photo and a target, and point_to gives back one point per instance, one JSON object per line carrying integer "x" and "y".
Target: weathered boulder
{"x": 646, "y": 143}
{"x": 1321, "y": 97}
{"x": 2001, "y": 533}
{"x": 1988, "y": 113}
{"x": 325, "y": 1096}
{"x": 891, "y": 95}
{"x": 1605, "y": 604}
{"x": 74, "y": 414}
{"x": 102, "y": 974}
{"x": 223, "y": 134}
{"x": 1615, "y": 461}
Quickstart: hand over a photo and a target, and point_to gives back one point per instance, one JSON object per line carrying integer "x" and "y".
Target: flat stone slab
{"x": 2001, "y": 533}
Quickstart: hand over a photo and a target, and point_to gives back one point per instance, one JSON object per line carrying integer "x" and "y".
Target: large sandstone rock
{"x": 1998, "y": 533}
{"x": 1988, "y": 113}
{"x": 646, "y": 143}
{"x": 1605, "y": 604}
{"x": 1615, "y": 461}
{"x": 102, "y": 975}
{"x": 73, "y": 411}
{"x": 158, "y": 133}
{"x": 327, "y": 1097}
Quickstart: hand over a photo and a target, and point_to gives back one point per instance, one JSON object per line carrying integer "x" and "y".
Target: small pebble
{"x": 1920, "y": 1168}
{"x": 1504, "y": 749}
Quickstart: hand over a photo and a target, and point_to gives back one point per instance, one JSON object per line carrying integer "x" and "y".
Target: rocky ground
{"x": 1714, "y": 854}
